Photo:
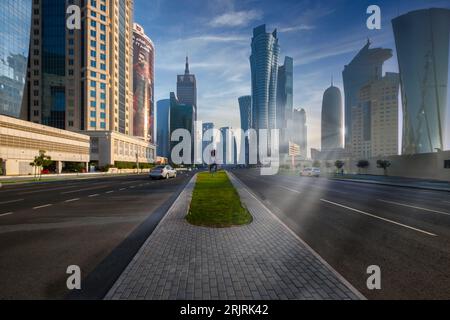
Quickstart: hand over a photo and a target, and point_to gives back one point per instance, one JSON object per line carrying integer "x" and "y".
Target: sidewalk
{"x": 397, "y": 182}
{"x": 263, "y": 260}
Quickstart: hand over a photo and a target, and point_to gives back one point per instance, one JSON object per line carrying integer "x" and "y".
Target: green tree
{"x": 384, "y": 164}
{"x": 316, "y": 164}
{"x": 339, "y": 165}
{"x": 362, "y": 164}
{"x": 39, "y": 162}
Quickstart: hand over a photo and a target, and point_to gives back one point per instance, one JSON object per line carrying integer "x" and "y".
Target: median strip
{"x": 380, "y": 218}
{"x": 216, "y": 203}
{"x": 414, "y": 207}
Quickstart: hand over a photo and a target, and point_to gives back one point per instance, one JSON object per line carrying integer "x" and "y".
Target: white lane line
{"x": 6, "y": 214}
{"x": 44, "y": 206}
{"x": 132, "y": 187}
{"x": 289, "y": 189}
{"x": 414, "y": 207}
{"x": 380, "y": 218}
{"x": 72, "y": 200}
{"x": 122, "y": 189}
{"x": 93, "y": 195}
{"x": 12, "y": 201}
{"x": 108, "y": 192}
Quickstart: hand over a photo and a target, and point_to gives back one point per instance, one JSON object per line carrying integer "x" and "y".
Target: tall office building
{"x": 285, "y": 92}
{"x": 226, "y": 137}
{"x": 15, "y": 22}
{"x": 143, "y": 84}
{"x": 332, "y": 119}
{"x": 187, "y": 88}
{"x": 181, "y": 116}
{"x": 82, "y": 79}
{"x": 264, "y": 73}
{"x": 162, "y": 128}
{"x": 298, "y": 131}
{"x": 245, "y": 108}
{"x": 205, "y": 127}
{"x": 366, "y": 66}
{"x": 375, "y": 119}
{"x": 422, "y": 41}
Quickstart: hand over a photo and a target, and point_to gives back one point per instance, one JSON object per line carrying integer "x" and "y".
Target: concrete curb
{"x": 238, "y": 183}
{"x": 391, "y": 184}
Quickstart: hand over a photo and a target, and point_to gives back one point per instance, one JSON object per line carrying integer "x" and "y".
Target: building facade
{"x": 181, "y": 116}
{"x": 205, "y": 127}
{"x": 285, "y": 92}
{"x": 422, "y": 41}
{"x": 375, "y": 119}
{"x": 162, "y": 128}
{"x": 187, "y": 88}
{"x": 264, "y": 73}
{"x": 332, "y": 119}
{"x": 298, "y": 131}
{"x": 366, "y": 66}
{"x": 15, "y": 23}
{"x": 143, "y": 84}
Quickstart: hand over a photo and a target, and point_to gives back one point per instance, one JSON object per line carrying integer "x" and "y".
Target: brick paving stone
{"x": 263, "y": 260}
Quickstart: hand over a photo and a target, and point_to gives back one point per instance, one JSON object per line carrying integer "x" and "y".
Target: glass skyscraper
{"x": 162, "y": 128}
{"x": 181, "y": 116}
{"x": 422, "y": 41}
{"x": 264, "y": 72}
{"x": 15, "y": 23}
{"x": 187, "y": 88}
{"x": 332, "y": 119}
{"x": 285, "y": 92}
{"x": 366, "y": 66}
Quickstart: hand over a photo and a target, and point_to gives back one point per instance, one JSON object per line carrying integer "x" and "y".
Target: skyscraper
{"x": 162, "y": 128}
{"x": 82, "y": 79}
{"x": 285, "y": 92}
{"x": 298, "y": 131}
{"x": 187, "y": 88}
{"x": 264, "y": 73}
{"x": 205, "y": 127}
{"x": 143, "y": 84}
{"x": 181, "y": 116}
{"x": 332, "y": 119}
{"x": 366, "y": 66}
{"x": 245, "y": 108}
{"x": 422, "y": 41}
{"x": 15, "y": 21}
{"x": 375, "y": 119}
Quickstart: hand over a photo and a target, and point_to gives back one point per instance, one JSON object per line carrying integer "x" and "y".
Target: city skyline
{"x": 219, "y": 48}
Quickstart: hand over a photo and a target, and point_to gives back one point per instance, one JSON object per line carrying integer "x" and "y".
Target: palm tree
{"x": 39, "y": 162}
{"x": 362, "y": 164}
{"x": 384, "y": 164}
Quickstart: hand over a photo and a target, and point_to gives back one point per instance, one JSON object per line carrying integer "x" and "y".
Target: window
{"x": 93, "y": 124}
{"x": 446, "y": 164}
{"x": 93, "y": 114}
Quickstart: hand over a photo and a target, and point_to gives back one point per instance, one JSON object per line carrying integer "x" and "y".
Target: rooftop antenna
{"x": 332, "y": 83}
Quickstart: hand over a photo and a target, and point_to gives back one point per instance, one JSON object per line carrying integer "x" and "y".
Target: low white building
{"x": 21, "y": 141}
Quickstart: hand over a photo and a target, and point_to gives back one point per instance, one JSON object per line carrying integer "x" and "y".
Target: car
{"x": 310, "y": 172}
{"x": 163, "y": 172}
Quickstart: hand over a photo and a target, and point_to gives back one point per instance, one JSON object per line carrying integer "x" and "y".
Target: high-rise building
{"x": 181, "y": 116}
{"x": 375, "y": 119}
{"x": 298, "y": 131}
{"x": 187, "y": 88}
{"x": 332, "y": 119}
{"x": 422, "y": 41}
{"x": 264, "y": 73}
{"x": 245, "y": 108}
{"x": 366, "y": 66}
{"x": 82, "y": 79}
{"x": 15, "y": 22}
{"x": 205, "y": 127}
{"x": 225, "y": 138}
{"x": 143, "y": 84}
{"x": 162, "y": 128}
{"x": 285, "y": 92}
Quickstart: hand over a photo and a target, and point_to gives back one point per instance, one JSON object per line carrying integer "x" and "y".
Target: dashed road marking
{"x": 11, "y": 201}
{"x": 72, "y": 200}
{"x": 6, "y": 214}
{"x": 414, "y": 207}
{"x": 43, "y": 206}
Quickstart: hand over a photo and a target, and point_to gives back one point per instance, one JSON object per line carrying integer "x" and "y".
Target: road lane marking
{"x": 132, "y": 187}
{"x": 41, "y": 207}
{"x": 380, "y": 218}
{"x": 93, "y": 195}
{"x": 11, "y": 201}
{"x": 86, "y": 189}
{"x": 72, "y": 200}
{"x": 108, "y": 192}
{"x": 289, "y": 189}
{"x": 6, "y": 214}
{"x": 122, "y": 189}
{"x": 414, "y": 207}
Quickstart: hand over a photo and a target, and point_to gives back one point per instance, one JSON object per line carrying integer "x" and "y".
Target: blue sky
{"x": 321, "y": 35}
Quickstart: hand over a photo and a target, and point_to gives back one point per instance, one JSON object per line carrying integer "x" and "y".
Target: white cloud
{"x": 302, "y": 27}
{"x": 236, "y": 18}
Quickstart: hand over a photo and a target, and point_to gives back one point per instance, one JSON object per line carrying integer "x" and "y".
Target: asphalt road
{"x": 406, "y": 232}
{"x": 97, "y": 224}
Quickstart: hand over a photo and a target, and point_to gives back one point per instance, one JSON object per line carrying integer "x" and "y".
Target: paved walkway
{"x": 263, "y": 260}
